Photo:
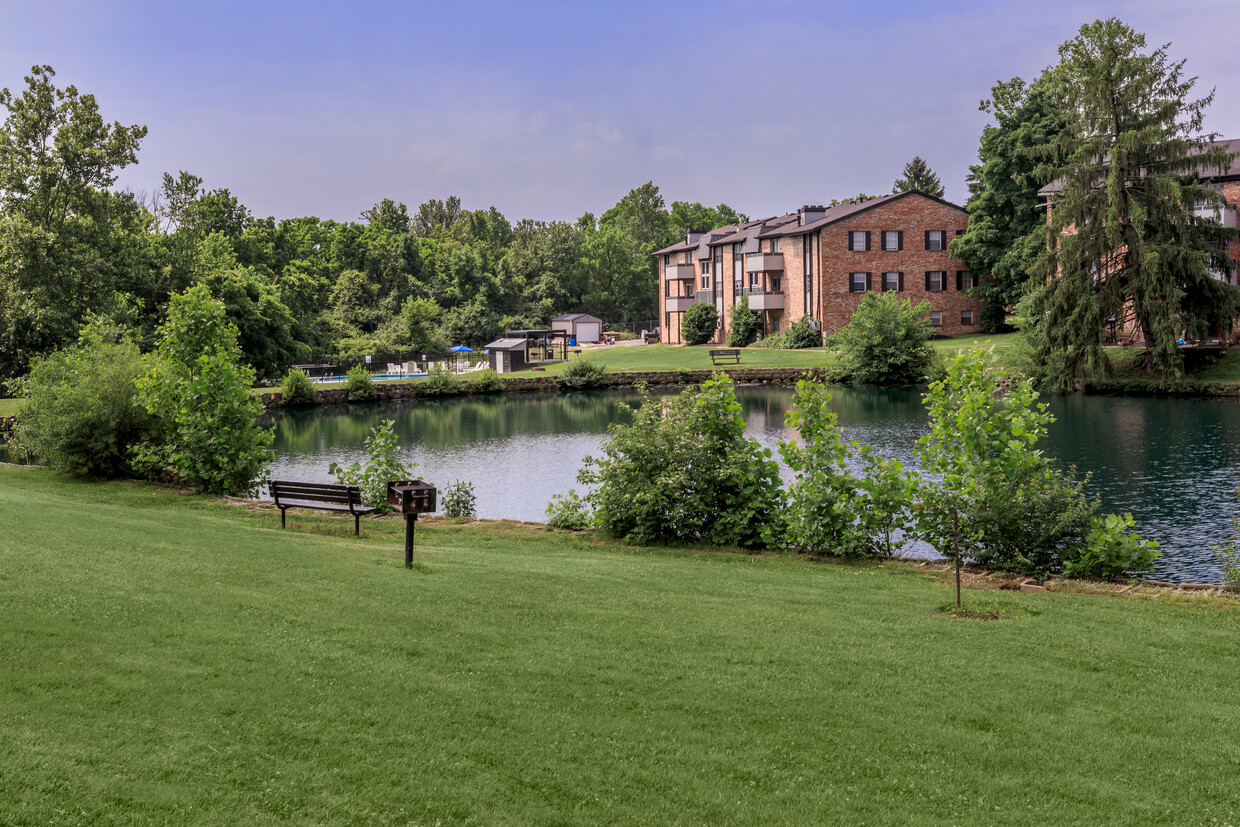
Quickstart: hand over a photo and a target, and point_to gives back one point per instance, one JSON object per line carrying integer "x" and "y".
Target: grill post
{"x": 410, "y": 521}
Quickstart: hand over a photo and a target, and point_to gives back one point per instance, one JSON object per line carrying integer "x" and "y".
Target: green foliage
{"x": 439, "y": 381}
{"x": 418, "y": 317}
{"x": 831, "y": 510}
{"x": 1016, "y": 512}
{"x": 486, "y": 381}
{"x": 918, "y": 176}
{"x": 684, "y": 472}
{"x": 1228, "y": 551}
{"x": 886, "y": 342}
{"x": 569, "y": 512}
{"x": 297, "y": 391}
{"x": 199, "y": 394}
{"x": 459, "y": 500}
{"x": 993, "y": 320}
{"x": 699, "y": 323}
{"x": 800, "y": 335}
{"x": 383, "y": 465}
{"x": 583, "y": 373}
{"x": 1111, "y": 551}
{"x": 744, "y": 325}
{"x": 361, "y": 387}
{"x": 82, "y": 415}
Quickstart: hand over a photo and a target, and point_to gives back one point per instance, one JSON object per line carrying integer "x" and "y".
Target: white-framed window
{"x": 893, "y": 282}
{"x": 936, "y": 318}
{"x": 858, "y": 240}
{"x": 936, "y": 281}
{"x": 858, "y": 282}
{"x": 774, "y": 245}
{"x": 966, "y": 317}
{"x": 936, "y": 239}
{"x": 965, "y": 280}
{"x": 893, "y": 240}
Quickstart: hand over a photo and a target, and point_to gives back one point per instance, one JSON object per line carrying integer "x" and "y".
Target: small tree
{"x": 698, "y": 323}
{"x": 459, "y": 500}
{"x": 886, "y": 342}
{"x": 684, "y": 472}
{"x": 383, "y": 465}
{"x": 918, "y": 176}
{"x": 297, "y": 391}
{"x": 200, "y": 395}
{"x": 361, "y": 386}
{"x": 745, "y": 325}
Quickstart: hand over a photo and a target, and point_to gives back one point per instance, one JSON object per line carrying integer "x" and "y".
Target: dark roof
{"x": 847, "y": 210}
{"x": 568, "y": 317}
{"x": 507, "y": 344}
{"x": 1232, "y": 172}
{"x": 678, "y": 247}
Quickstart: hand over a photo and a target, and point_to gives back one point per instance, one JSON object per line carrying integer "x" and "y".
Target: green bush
{"x": 1228, "y": 551}
{"x": 297, "y": 391}
{"x": 684, "y": 472}
{"x": 993, "y": 319}
{"x": 581, "y": 374}
{"x": 439, "y": 381}
{"x": 1111, "y": 551}
{"x": 801, "y": 334}
{"x": 744, "y": 324}
{"x": 383, "y": 465}
{"x": 886, "y": 342}
{"x": 83, "y": 415}
{"x": 487, "y": 381}
{"x": 459, "y": 500}
{"x": 361, "y": 386}
{"x": 699, "y": 323}
{"x": 569, "y": 512}
{"x": 199, "y": 393}
{"x": 773, "y": 341}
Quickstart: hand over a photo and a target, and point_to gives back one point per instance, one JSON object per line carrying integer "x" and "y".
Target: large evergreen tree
{"x": 918, "y": 176}
{"x": 1124, "y": 236}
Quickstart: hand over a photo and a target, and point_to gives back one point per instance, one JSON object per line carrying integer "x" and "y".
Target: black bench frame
{"x": 321, "y": 496}
{"x": 729, "y": 356}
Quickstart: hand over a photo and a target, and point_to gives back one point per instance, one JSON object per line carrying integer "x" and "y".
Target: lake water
{"x": 1173, "y": 463}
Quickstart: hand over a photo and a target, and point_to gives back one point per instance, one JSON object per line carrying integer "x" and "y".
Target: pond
{"x": 1172, "y": 463}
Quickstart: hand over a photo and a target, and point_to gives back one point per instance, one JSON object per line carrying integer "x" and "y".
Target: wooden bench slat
{"x": 319, "y": 496}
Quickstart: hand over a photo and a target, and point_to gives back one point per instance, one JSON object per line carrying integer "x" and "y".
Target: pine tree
{"x": 918, "y": 176}
{"x": 1123, "y": 233}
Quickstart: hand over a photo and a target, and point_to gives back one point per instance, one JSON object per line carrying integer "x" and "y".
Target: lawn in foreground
{"x": 173, "y": 660}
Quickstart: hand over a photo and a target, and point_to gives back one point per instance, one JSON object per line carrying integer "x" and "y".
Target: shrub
{"x": 361, "y": 387}
{"x": 886, "y": 342}
{"x": 583, "y": 373}
{"x": 439, "y": 381}
{"x": 383, "y": 465}
{"x": 745, "y": 325}
{"x": 83, "y": 414}
{"x": 773, "y": 341}
{"x": 199, "y": 393}
{"x": 569, "y": 512}
{"x": 831, "y": 510}
{"x": 1228, "y": 552}
{"x": 1111, "y": 551}
{"x": 487, "y": 381}
{"x": 297, "y": 391}
{"x": 684, "y": 472}
{"x": 801, "y": 334}
{"x": 993, "y": 319}
{"x": 459, "y": 500}
{"x": 699, "y": 323}
{"x": 1016, "y": 512}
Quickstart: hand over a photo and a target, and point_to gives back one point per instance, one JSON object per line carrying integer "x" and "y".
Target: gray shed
{"x": 579, "y": 326}
{"x": 507, "y": 355}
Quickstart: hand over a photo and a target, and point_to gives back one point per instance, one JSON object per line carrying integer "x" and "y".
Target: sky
{"x": 548, "y": 110}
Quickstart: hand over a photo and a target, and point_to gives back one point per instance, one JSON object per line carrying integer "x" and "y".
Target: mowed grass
{"x": 11, "y": 407}
{"x": 167, "y": 659}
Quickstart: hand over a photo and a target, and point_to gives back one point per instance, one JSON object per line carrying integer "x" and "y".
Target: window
{"x": 965, "y": 280}
{"x": 667, "y": 260}
{"x": 807, "y": 257}
{"x": 774, "y": 245}
{"x": 859, "y": 240}
{"x": 936, "y": 239}
{"x": 936, "y": 318}
{"x": 966, "y": 317}
{"x": 858, "y": 282}
{"x": 893, "y": 282}
{"x": 775, "y": 284}
{"x": 893, "y": 239}
{"x": 738, "y": 269}
{"x": 936, "y": 281}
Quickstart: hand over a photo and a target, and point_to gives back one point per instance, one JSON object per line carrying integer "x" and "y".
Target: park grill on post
{"x": 411, "y": 498}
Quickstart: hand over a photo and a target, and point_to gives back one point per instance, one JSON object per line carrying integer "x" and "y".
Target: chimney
{"x": 810, "y": 213}
{"x": 694, "y": 235}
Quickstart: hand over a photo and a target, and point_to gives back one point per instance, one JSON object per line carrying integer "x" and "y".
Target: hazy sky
{"x": 549, "y": 110}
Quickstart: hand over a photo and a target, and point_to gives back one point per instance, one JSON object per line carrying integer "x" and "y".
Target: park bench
{"x": 726, "y": 356}
{"x": 321, "y": 496}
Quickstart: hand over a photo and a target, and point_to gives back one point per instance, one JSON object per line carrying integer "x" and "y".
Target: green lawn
{"x": 172, "y": 660}
{"x": 9, "y": 407}
{"x": 1226, "y": 369}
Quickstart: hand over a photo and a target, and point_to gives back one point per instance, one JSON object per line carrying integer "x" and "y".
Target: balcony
{"x": 679, "y": 304}
{"x": 706, "y": 296}
{"x": 764, "y": 262}
{"x": 1226, "y": 215}
{"x": 760, "y": 300}
{"x": 680, "y": 272}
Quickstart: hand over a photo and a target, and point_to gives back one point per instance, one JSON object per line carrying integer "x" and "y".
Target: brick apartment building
{"x": 819, "y": 262}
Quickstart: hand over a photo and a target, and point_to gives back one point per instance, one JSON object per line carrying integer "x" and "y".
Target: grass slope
{"x": 170, "y": 660}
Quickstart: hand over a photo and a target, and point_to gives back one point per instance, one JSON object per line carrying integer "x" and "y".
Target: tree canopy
{"x": 918, "y": 176}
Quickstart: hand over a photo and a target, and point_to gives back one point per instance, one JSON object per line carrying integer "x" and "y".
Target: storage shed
{"x": 579, "y": 326}
{"x": 507, "y": 355}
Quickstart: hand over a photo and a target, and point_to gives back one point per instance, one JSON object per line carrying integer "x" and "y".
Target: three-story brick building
{"x": 818, "y": 262}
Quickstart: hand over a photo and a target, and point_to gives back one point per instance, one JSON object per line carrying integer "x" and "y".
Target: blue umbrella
{"x": 461, "y": 349}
